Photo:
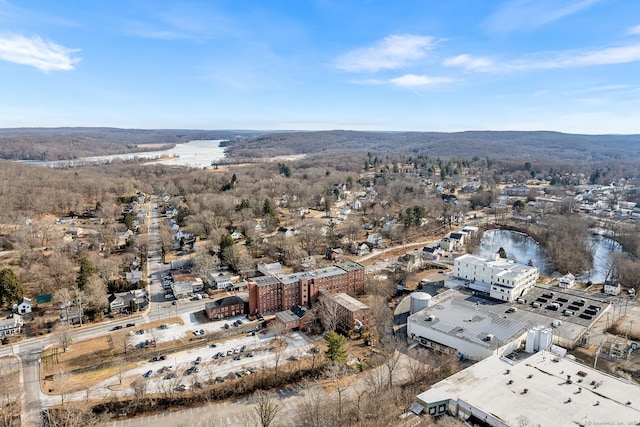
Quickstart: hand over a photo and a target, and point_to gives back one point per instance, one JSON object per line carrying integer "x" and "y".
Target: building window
{"x": 432, "y": 411}
{"x": 441, "y": 409}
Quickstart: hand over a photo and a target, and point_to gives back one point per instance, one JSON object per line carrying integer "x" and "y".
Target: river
{"x": 523, "y": 249}
{"x": 197, "y": 154}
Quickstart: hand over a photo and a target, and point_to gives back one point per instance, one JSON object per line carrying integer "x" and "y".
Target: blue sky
{"x": 423, "y": 65}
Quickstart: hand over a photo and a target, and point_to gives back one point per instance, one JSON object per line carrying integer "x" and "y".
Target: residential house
{"x": 220, "y": 280}
{"x": 23, "y": 306}
{"x": 375, "y": 239}
{"x": 116, "y": 303}
{"x": 567, "y": 281}
{"x": 412, "y": 262}
{"x": 612, "y": 287}
{"x": 334, "y": 254}
{"x": 270, "y": 269}
{"x": 360, "y": 249}
{"x": 122, "y": 301}
{"x": 187, "y": 282}
{"x": 70, "y": 316}
{"x": 11, "y": 325}
{"x": 286, "y": 232}
{"x": 237, "y": 235}
{"x": 432, "y": 252}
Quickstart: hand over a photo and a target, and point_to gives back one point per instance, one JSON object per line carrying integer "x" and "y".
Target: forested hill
{"x": 507, "y": 144}
{"x": 73, "y": 143}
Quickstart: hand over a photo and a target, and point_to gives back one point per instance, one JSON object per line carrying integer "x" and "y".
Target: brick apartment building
{"x": 270, "y": 294}
{"x": 225, "y": 307}
{"x": 351, "y": 314}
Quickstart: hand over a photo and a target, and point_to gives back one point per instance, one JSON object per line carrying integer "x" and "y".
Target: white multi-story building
{"x": 501, "y": 278}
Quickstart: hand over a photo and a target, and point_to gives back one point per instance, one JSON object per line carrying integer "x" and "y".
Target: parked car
{"x": 115, "y": 328}
{"x": 148, "y": 373}
{"x": 198, "y": 360}
{"x": 201, "y": 331}
{"x": 130, "y": 325}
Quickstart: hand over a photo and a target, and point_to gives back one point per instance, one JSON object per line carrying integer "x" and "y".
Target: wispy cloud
{"x": 416, "y": 80}
{"x": 531, "y": 14}
{"x": 634, "y": 30}
{"x": 393, "y": 52}
{"x": 554, "y": 60}
{"x": 469, "y": 62}
{"x": 43, "y": 55}
{"x": 413, "y": 81}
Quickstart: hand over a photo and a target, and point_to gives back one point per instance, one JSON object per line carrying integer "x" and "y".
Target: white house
{"x": 270, "y": 269}
{"x": 23, "y": 306}
{"x": 567, "y": 281}
{"x": 612, "y": 287}
{"x": 375, "y": 239}
{"x": 220, "y": 280}
{"x": 11, "y": 326}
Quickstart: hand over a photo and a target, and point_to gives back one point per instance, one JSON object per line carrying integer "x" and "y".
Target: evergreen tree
{"x": 86, "y": 270}
{"x": 226, "y": 241}
{"x": 502, "y": 252}
{"x": 336, "y": 351}
{"x": 270, "y": 211}
{"x": 11, "y": 289}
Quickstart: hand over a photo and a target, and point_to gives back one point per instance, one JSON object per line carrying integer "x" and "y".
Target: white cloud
{"x": 414, "y": 80}
{"x": 553, "y": 60}
{"x": 469, "y": 62}
{"x": 634, "y": 30}
{"x": 530, "y": 14}
{"x": 395, "y": 51}
{"x": 38, "y": 53}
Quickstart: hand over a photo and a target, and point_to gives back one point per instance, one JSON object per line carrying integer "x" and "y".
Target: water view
{"x": 523, "y": 249}
{"x": 197, "y": 154}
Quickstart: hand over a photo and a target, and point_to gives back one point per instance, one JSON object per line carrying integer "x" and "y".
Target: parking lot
{"x": 214, "y": 361}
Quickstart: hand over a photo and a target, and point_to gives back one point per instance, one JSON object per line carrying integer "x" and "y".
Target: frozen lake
{"x": 197, "y": 154}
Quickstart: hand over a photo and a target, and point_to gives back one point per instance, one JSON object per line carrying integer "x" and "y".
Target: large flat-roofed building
{"x": 454, "y": 323}
{"x": 500, "y": 278}
{"x": 541, "y": 390}
{"x": 458, "y": 321}
{"x": 269, "y": 294}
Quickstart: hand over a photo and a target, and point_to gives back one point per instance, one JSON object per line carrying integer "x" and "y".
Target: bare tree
{"x": 315, "y": 406}
{"x": 337, "y": 374}
{"x": 63, "y": 336}
{"x": 266, "y": 409}
{"x": 328, "y": 311}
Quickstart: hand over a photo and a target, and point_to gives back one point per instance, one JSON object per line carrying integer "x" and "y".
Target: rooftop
{"x": 349, "y": 265}
{"x": 466, "y": 305}
{"x": 455, "y": 314}
{"x": 265, "y": 280}
{"x": 496, "y": 387}
{"x": 349, "y": 302}
{"x": 327, "y": 272}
